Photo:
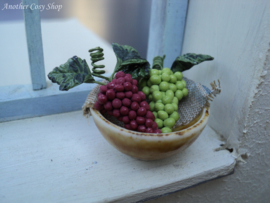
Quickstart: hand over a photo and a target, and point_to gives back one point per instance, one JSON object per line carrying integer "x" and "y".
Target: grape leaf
{"x": 129, "y": 61}
{"x": 158, "y": 62}
{"x": 135, "y": 72}
{"x": 187, "y": 61}
{"x": 72, "y": 73}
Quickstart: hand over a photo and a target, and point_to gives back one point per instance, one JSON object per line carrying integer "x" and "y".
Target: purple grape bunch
{"x": 122, "y": 99}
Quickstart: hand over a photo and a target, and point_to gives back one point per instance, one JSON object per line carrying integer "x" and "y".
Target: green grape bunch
{"x": 165, "y": 89}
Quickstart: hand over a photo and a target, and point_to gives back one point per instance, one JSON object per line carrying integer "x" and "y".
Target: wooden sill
{"x": 64, "y": 158}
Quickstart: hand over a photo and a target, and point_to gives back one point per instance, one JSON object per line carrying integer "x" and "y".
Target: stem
{"x": 100, "y": 83}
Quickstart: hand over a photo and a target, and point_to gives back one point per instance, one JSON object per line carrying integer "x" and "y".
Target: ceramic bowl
{"x": 146, "y": 146}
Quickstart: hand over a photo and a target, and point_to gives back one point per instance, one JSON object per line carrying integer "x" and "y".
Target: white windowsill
{"x": 64, "y": 158}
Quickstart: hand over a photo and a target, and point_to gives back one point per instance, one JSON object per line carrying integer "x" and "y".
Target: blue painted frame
{"x": 167, "y": 28}
{"x": 34, "y": 44}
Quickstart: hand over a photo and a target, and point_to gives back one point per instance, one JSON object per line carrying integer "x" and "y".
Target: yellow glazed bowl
{"x": 148, "y": 146}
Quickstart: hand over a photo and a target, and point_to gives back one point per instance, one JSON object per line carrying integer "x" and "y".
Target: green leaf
{"x": 141, "y": 72}
{"x": 186, "y": 61}
{"x": 158, "y": 62}
{"x": 129, "y": 61}
{"x": 72, "y": 73}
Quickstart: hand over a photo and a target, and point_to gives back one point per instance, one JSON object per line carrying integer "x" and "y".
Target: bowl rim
{"x": 183, "y": 133}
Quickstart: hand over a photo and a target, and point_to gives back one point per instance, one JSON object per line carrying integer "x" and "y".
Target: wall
{"x": 237, "y": 34}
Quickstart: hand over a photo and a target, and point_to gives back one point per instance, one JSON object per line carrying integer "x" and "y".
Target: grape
{"x": 167, "y": 100}
{"x": 152, "y": 106}
{"x": 116, "y": 113}
{"x": 175, "y": 106}
{"x": 124, "y": 111}
{"x": 141, "y": 128}
{"x": 172, "y": 87}
{"x": 134, "y": 106}
{"x": 175, "y": 115}
{"x": 134, "y": 82}
{"x": 119, "y": 88}
{"x": 162, "y": 115}
{"x": 154, "y": 88}
{"x": 102, "y": 99}
{"x": 166, "y": 130}
{"x": 148, "y": 123}
{"x": 149, "y": 130}
{"x": 157, "y": 95}
{"x": 120, "y": 80}
{"x": 164, "y": 86}
{"x": 146, "y": 90}
{"x": 140, "y": 120}
{"x": 179, "y": 85}
{"x": 141, "y": 111}
{"x": 126, "y": 102}
{"x": 165, "y": 77}
{"x": 128, "y": 79}
{"x": 154, "y": 126}
{"x": 150, "y": 115}
{"x": 169, "y": 108}
{"x": 110, "y": 85}
{"x": 184, "y": 83}
{"x": 154, "y": 72}
{"x": 98, "y": 106}
{"x": 145, "y": 105}
{"x": 166, "y": 70}
{"x": 155, "y": 79}
{"x": 103, "y": 89}
{"x": 159, "y": 122}
{"x": 133, "y": 125}
{"x": 159, "y": 106}
{"x": 110, "y": 94}
{"x": 169, "y": 122}
{"x": 128, "y": 94}
{"x": 126, "y": 119}
{"x": 178, "y": 75}
{"x": 108, "y": 106}
{"x": 119, "y": 74}
{"x": 128, "y": 86}
{"x": 170, "y": 93}
{"x": 132, "y": 115}
{"x": 173, "y": 79}
{"x": 185, "y": 92}
{"x": 165, "y": 104}
{"x": 175, "y": 100}
{"x": 134, "y": 89}
{"x": 116, "y": 103}
{"x": 179, "y": 94}
{"x": 128, "y": 75}
{"x": 120, "y": 95}
{"x": 136, "y": 98}
{"x": 142, "y": 95}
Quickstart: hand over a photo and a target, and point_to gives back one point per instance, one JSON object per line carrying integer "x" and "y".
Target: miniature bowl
{"x": 148, "y": 146}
